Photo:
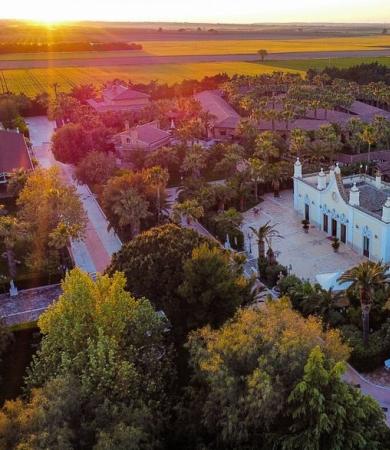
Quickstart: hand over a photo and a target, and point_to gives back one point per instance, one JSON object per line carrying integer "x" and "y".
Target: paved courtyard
{"x": 309, "y": 254}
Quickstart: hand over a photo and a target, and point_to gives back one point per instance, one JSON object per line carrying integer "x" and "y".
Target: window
{"x": 222, "y": 133}
{"x": 343, "y": 233}
{"x": 325, "y": 222}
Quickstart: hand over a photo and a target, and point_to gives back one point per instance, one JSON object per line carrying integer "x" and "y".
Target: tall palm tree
{"x": 130, "y": 208}
{"x": 158, "y": 178}
{"x": 368, "y": 135}
{"x": 365, "y": 278}
{"x": 276, "y": 173}
{"x": 298, "y": 142}
{"x": 264, "y": 234}
{"x": 256, "y": 169}
{"x": 223, "y": 193}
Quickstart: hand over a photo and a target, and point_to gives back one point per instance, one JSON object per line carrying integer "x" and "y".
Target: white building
{"x": 355, "y": 209}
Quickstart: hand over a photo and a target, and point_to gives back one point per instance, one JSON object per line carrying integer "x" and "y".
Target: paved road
{"x": 94, "y": 253}
{"x": 182, "y": 59}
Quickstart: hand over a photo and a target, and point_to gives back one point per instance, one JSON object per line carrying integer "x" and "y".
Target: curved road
{"x": 182, "y": 59}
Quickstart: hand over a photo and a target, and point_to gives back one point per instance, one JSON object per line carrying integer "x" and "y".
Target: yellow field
{"x": 216, "y": 47}
{"x": 34, "y": 81}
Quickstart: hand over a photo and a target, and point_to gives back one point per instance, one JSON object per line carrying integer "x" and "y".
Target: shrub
{"x": 370, "y": 357}
{"x": 288, "y": 283}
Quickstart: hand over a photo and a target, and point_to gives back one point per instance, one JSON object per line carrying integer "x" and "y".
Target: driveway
{"x": 94, "y": 253}
{"x": 308, "y": 254}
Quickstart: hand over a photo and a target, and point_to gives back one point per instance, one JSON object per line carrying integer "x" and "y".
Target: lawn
{"x": 34, "y": 81}
{"x": 221, "y": 46}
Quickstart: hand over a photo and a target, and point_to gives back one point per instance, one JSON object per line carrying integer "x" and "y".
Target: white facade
{"x": 355, "y": 209}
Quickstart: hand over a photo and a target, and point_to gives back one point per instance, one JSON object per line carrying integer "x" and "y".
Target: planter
{"x": 336, "y": 245}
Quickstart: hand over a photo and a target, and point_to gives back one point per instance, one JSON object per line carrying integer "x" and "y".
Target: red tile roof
{"x": 13, "y": 152}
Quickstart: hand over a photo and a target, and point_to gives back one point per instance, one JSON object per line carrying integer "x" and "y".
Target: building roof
{"x": 149, "y": 133}
{"x": 13, "y": 152}
{"x": 225, "y": 115}
{"x": 367, "y": 112}
{"x": 120, "y": 92}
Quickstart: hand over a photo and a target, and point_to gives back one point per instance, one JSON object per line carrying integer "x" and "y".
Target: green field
{"x": 35, "y": 81}
{"x": 305, "y": 64}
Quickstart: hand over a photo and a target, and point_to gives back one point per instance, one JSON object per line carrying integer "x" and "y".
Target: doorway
{"x": 325, "y": 222}
{"x": 307, "y": 212}
{"x": 343, "y": 233}
{"x": 366, "y": 246}
{"x": 334, "y": 227}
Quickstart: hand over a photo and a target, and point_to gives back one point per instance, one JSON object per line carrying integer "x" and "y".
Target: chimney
{"x": 127, "y": 125}
{"x": 321, "y": 183}
{"x": 354, "y": 195}
{"x": 378, "y": 179}
{"x": 386, "y": 211}
{"x": 297, "y": 169}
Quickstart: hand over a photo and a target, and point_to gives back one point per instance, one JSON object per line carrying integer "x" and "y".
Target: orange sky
{"x": 243, "y": 11}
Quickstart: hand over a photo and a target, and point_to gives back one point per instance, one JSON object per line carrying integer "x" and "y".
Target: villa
{"x": 147, "y": 137}
{"x": 355, "y": 209}
{"x": 120, "y": 98}
{"x": 14, "y": 153}
{"x": 225, "y": 119}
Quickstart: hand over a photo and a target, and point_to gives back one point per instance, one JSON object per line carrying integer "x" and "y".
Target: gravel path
{"x": 183, "y": 59}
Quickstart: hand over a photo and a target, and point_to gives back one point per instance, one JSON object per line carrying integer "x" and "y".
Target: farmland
{"x": 35, "y": 81}
{"x": 221, "y": 47}
{"x": 321, "y": 63}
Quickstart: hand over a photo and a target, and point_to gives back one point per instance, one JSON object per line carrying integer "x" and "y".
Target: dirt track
{"x": 142, "y": 60}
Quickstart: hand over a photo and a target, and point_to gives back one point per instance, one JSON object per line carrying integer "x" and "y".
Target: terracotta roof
{"x": 13, "y": 152}
{"x": 119, "y": 92}
{"x": 149, "y": 133}
{"x": 225, "y": 115}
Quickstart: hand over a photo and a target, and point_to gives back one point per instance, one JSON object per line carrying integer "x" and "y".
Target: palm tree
{"x": 275, "y": 173}
{"x": 368, "y": 135}
{"x": 189, "y": 208}
{"x": 158, "y": 178}
{"x": 130, "y": 208}
{"x": 11, "y": 231}
{"x": 264, "y": 234}
{"x": 298, "y": 142}
{"x": 365, "y": 278}
{"x": 256, "y": 169}
{"x": 223, "y": 194}
{"x": 194, "y": 160}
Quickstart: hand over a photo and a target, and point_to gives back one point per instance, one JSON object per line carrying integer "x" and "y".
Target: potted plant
{"x": 305, "y": 225}
{"x": 336, "y": 244}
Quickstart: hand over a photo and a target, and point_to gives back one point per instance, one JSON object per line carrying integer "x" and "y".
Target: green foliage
{"x": 104, "y": 354}
{"x": 330, "y": 414}
{"x": 95, "y": 168}
{"x": 245, "y": 372}
{"x": 272, "y": 273}
{"x": 153, "y": 263}
{"x": 212, "y": 289}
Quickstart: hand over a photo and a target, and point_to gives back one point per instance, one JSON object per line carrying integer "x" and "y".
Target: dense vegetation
{"x": 45, "y": 47}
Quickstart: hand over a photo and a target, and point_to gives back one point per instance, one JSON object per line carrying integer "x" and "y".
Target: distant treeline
{"x": 361, "y": 74}
{"x": 44, "y": 47}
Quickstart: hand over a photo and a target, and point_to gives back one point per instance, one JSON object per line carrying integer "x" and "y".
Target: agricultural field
{"x": 220, "y": 47}
{"x": 321, "y": 63}
{"x": 35, "y": 81}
